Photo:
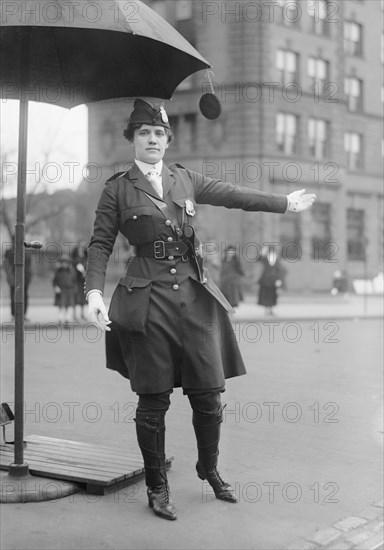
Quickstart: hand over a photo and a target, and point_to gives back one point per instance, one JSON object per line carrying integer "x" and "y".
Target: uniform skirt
{"x": 189, "y": 340}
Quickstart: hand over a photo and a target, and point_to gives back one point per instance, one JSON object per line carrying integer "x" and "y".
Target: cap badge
{"x": 163, "y": 114}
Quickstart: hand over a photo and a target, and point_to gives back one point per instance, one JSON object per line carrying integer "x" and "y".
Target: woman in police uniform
{"x": 168, "y": 324}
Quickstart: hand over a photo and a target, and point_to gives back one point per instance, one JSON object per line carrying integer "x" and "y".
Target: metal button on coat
{"x": 171, "y": 258}
{"x": 172, "y": 271}
{"x": 175, "y": 287}
{"x": 134, "y": 217}
{"x": 169, "y": 239}
{"x": 168, "y": 222}
{"x": 130, "y": 290}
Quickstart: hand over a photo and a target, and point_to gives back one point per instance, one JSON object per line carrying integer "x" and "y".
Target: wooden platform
{"x": 99, "y": 468}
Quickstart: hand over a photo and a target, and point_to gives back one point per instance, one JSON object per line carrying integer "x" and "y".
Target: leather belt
{"x": 162, "y": 249}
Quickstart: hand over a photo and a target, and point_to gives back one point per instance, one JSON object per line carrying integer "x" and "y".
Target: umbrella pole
{"x": 18, "y": 467}
{"x": 18, "y": 485}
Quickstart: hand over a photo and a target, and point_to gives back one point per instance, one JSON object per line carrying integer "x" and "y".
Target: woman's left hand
{"x": 299, "y": 201}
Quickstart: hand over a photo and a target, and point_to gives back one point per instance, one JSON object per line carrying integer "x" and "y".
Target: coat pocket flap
{"x": 181, "y": 202}
{"x": 135, "y": 212}
{"x": 134, "y": 282}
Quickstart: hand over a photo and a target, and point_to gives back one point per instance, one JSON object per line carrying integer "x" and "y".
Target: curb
{"x": 362, "y": 532}
{"x": 311, "y": 319}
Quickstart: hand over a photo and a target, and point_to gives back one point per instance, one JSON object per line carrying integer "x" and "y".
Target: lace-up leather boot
{"x": 159, "y": 498}
{"x": 151, "y": 438}
{"x": 207, "y": 430}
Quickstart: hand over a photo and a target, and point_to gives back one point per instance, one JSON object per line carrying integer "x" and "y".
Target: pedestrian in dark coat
{"x": 231, "y": 274}
{"x": 64, "y": 284}
{"x": 272, "y": 278}
{"x": 168, "y": 323}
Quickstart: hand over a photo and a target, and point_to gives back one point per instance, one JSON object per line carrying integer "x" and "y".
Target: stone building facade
{"x": 300, "y": 84}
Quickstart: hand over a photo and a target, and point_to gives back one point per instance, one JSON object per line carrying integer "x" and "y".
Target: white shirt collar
{"x": 145, "y": 167}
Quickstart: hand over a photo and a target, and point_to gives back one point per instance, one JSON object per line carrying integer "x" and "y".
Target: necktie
{"x": 154, "y": 178}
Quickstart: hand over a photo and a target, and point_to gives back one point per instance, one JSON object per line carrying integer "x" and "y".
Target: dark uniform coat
{"x": 170, "y": 322}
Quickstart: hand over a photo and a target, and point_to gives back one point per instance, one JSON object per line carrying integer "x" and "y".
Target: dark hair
{"x": 129, "y": 132}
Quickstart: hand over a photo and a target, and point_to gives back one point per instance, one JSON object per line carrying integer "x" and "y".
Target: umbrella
{"x": 76, "y": 52}
{"x": 68, "y": 53}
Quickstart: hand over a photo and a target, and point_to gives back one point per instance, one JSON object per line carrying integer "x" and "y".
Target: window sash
{"x": 317, "y": 134}
{"x": 352, "y": 38}
{"x": 317, "y": 68}
{"x": 318, "y": 9}
{"x": 286, "y": 133}
{"x": 353, "y": 90}
{"x": 286, "y": 63}
{"x": 355, "y": 234}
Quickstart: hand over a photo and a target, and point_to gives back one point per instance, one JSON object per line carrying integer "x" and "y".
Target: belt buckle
{"x": 159, "y": 250}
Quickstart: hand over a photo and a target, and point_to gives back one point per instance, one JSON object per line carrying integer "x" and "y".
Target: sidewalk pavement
{"x": 304, "y": 307}
{"x": 359, "y": 530}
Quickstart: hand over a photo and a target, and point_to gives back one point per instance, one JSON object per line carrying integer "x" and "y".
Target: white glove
{"x": 97, "y": 311}
{"x": 298, "y": 201}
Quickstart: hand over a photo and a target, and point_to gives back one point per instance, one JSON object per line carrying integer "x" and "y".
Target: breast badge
{"x": 189, "y": 208}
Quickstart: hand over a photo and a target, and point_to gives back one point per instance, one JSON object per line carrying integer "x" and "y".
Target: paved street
{"x": 302, "y": 440}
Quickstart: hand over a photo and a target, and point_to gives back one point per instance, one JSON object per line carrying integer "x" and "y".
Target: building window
{"x": 290, "y": 13}
{"x": 160, "y": 7}
{"x": 287, "y": 64}
{"x": 185, "y": 23}
{"x": 290, "y": 237}
{"x": 286, "y": 133}
{"x": 353, "y": 43}
{"x": 318, "y": 10}
{"x": 355, "y": 234}
{"x": 189, "y": 132}
{"x": 353, "y": 146}
{"x": 321, "y": 237}
{"x": 318, "y": 72}
{"x": 318, "y": 137}
{"x": 183, "y": 10}
{"x": 353, "y": 89}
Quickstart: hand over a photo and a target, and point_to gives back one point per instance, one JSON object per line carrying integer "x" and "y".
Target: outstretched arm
{"x": 219, "y": 193}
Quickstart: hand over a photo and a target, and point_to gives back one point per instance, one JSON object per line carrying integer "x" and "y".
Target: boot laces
{"x": 164, "y": 493}
{"x": 214, "y": 476}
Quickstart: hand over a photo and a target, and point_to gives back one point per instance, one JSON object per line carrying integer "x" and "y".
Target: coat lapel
{"x": 141, "y": 182}
{"x": 168, "y": 179}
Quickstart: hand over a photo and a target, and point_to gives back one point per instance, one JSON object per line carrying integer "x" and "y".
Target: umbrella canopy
{"x": 80, "y": 52}
{"x": 68, "y": 53}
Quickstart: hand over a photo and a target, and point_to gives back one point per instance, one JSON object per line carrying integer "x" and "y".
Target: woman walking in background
{"x": 230, "y": 280}
{"x": 271, "y": 279}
